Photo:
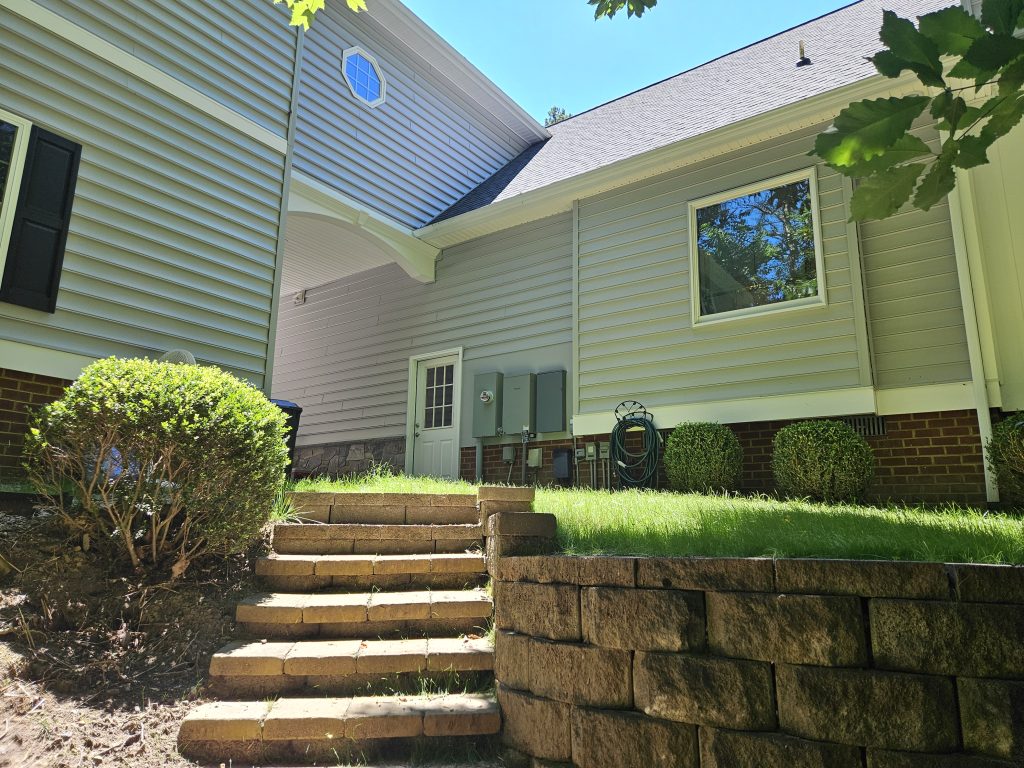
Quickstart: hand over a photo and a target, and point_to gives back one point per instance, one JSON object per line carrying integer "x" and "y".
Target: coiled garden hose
{"x": 635, "y": 468}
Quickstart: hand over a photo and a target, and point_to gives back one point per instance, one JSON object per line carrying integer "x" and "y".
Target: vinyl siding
{"x": 636, "y": 338}
{"x": 344, "y": 355}
{"x": 174, "y": 228}
{"x": 411, "y": 157}
{"x": 913, "y": 297}
{"x": 238, "y": 52}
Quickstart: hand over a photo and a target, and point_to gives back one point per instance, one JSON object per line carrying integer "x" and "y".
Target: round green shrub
{"x": 823, "y": 460}
{"x": 161, "y": 461}
{"x": 1006, "y": 457}
{"x": 702, "y": 457}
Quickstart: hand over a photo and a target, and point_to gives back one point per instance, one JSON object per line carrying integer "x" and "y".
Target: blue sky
{"x": 547, "y": 52}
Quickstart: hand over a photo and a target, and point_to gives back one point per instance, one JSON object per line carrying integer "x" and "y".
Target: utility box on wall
{"x": 518, "y": 409}
{"x": 551, "y": 401}
{"x": 487, "y": 404}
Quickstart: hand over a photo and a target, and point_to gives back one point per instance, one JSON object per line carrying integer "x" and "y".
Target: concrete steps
{"x": 311, "y": 728}
{"x": 345, "y": 666}
{"x": 367, "y": 593}
{"x": 368, "y": 571}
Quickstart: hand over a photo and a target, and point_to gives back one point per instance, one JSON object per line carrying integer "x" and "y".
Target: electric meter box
{"x": 487, "y": 404}
{"x": 518, "y": 411}
{"x": 551, "y": 401}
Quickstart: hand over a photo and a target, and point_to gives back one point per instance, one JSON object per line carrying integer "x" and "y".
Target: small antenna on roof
{"x": 804, "y": 61}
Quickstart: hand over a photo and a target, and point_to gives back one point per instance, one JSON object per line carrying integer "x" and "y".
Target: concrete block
{"x": 605, "y": 739}
{"x": 643, "y": 619}
{"x": 512, "y": 659}
{"x": 992, "y": 717}
{"x": 865, "y": 578}
{"x": 734, "y": 749}
{"x": 539, "y": 610}
{"x": 539, "y": 727}
{"x": 581, "y": 674}
{"x": 714, "y": 574}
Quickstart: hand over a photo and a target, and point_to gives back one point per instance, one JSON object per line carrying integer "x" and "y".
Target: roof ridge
{"x": 708, "y": 62}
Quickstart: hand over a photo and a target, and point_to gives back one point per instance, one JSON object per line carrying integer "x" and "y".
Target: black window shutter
{"x": 40, "y": 232}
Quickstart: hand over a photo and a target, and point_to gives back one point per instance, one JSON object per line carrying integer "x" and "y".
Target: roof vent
{"x": 803, "y": 61}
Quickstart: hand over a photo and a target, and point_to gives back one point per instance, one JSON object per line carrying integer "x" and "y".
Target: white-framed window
{"x": 14, "y": 134}
{"x": 757, "y": 249}
{"x": 363, "y": 76}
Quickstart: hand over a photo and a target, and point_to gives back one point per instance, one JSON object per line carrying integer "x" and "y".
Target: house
{"x": 143, "y": 165}
{"x": 578, "y": 255}
{"x": 356, "y": 219}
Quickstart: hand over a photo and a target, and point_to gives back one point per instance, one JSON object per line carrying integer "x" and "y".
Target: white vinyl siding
{"x": 913, "y": 295}
{"x": 238, "y": 52}
{"x": 636, "y": 337}
{"x": 174, "y": 228}
{"x": 411, "y": 157}
{"x": 344, "y": 354}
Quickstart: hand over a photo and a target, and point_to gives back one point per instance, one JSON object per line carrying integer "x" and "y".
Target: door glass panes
{"x": 8, "y": 133}
{"x": 439, "y": 397}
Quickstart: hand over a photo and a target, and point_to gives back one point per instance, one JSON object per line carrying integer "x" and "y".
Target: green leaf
{"x": 907, "y": 147}
{"x": 993, "y": 52}
{"x": 949, "y": 108}
{"x": 939, "y": 181}
{"x": 1012, "y": 77}
{"x": 881, "y": 195}
{"x": 973, "y": 151}
{"x": 1005, "y": 113}
{"x": 866, "y": 129}
{"x": 952, "y": 29}
{"x": 919, "y": 53}
{"x": 1002, "y": 16}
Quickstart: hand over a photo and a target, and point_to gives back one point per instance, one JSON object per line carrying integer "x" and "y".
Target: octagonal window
{"x": 363, "y": 75}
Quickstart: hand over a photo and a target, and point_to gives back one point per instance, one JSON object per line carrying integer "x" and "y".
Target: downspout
{"x": 479, "y": 461}
{"x": 282, "y": 225}
{"x": 970, "y": 312}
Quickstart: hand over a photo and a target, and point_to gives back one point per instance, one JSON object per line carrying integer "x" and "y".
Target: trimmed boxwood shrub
{"x": 161, "y": 462}
{"x": 1006, "y": 457}
{"x": 823, "y": 460}
{"x": 703, "y": 457}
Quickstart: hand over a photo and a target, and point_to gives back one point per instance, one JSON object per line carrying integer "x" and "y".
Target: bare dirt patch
{"x": 98, "y": 666}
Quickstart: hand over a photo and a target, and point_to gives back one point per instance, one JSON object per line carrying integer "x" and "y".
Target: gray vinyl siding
{"x": 174, "y": 229}
{"x": 238, "y": 52}
{"x": 636, "y": 339}
{"x": 344, "y": 354}
{"x": 411, "y": 157}
{"x": 913, "y": 296}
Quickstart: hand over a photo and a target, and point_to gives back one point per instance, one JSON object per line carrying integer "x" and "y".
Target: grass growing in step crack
{"x": 671, "y": 524}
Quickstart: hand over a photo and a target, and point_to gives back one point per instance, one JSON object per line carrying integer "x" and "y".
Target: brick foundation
{"x": 20, "y": 392}
{"x": 923, "y": 457}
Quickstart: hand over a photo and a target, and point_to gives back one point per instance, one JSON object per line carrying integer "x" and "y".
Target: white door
{"x": 435, "y": 441}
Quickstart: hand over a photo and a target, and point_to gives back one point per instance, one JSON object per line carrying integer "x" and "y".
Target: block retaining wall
{"x": 20, "y": 392}
{"x": 608, "y": 662}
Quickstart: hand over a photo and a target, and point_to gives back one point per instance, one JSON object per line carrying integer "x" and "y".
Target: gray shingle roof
{"x": 737, "y": 86}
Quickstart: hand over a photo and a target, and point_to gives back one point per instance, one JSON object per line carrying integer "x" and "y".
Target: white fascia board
{"x": 449, "y": 64}
{"x": 309, "y": 196}
{"x": 840, "y": 402}
{"x": 136, "y": 67}
{"x": 559, "y": 197}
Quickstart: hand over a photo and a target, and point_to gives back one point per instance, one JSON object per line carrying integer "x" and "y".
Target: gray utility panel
{"x": 518, "y": 404}
{"x": 487, "y": 404}
{"x": 551, "y": 401}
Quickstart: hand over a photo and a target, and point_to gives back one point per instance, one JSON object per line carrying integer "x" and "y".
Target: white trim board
{"x": 26, "y": 358}
{"x": 10, "y": 194}
{"x": 136, "y": 67}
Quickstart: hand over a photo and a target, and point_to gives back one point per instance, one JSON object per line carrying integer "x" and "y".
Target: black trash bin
{"x": 293, "y": 412}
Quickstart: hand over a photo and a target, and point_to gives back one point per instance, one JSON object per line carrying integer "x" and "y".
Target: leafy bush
{"x": 702, "y": 457}
{"x": 824, "y": 460}
{"x": 164, "y": 461}
{"x": 1006, "y": 457}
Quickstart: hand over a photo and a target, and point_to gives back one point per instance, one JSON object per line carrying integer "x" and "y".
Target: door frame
{"x": 410, "y": 406}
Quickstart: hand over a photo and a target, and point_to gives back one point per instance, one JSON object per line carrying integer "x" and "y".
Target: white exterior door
{"x": 435, "y": 430}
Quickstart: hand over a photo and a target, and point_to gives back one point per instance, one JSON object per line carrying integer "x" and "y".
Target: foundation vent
{"x": 866, "y": 426}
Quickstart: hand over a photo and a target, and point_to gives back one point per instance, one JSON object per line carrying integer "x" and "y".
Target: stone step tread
{"x": 361, "y": 531}
{"x": 338, "y": 658}
{"x": 333, "y": 608}
{"x": 315, "y": 719}
{"x": 369, "y": 565}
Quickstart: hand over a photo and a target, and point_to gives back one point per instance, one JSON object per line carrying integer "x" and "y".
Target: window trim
{"x": 349, "y": 53}
{"x": 820, "y": 300}
{"x": 12, "y": 192}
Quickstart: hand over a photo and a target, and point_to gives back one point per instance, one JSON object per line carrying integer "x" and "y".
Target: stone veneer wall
{"x": 923, "y": 457}
{"x": 20, "y": 392}
{"x": 341, "y": 459}
{"x": 737, "y": 663}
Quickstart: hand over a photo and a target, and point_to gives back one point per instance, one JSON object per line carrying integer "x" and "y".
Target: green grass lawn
{"x": 670, "y": 524}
